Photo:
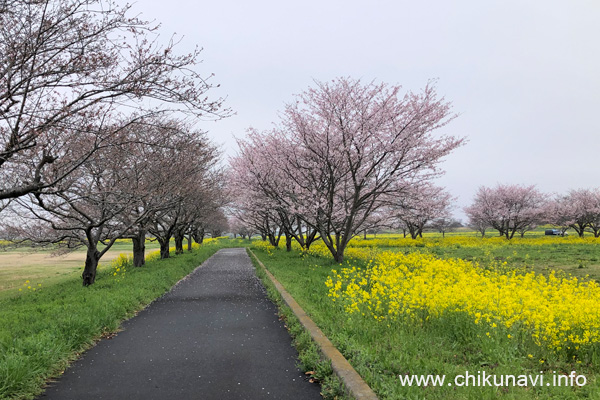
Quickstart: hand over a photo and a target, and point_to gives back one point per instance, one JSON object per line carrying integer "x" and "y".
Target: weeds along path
{"x": 215, "y": 335}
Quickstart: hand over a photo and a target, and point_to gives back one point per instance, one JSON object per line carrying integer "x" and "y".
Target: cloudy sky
{"x": 524, "y": 75}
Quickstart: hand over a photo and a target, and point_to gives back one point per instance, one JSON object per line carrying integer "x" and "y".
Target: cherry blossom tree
{"x": 192, "y": 165}
{"x": 445, "y": 224}
{"x": 83, "y": 210}
{"x": 156, "y": 148}
{"x": 67, "y": 67}
{"x": 238, "y": 227}
{"x": 578, "y": 209}
{"x": 507, "y": 208}
{"x": 257, "y": 174}
{"x": 339, "y": 151}
{"x": 425, "y": 203}
{"x": 119, "y": 191}
{"x": 346, "y": 144}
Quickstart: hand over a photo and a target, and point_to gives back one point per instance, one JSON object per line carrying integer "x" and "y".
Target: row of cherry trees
{"x": 512, "y": 209}
{"x": 93, "y": 140}
{"x": 343, "y": 156}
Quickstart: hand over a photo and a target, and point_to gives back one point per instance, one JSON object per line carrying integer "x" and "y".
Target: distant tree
{"x": 238, "y": 227}
{"x": 507, "y": 208}
{"x": 425, "y": 203}
{"x": 477, "y": 220}
{"x": 191, "y": 166}
{"x": 558, "y": 212}
{"x": 445, "y": 224}
{"x": 217, "y": 224}
{"x": 578, "y": 209}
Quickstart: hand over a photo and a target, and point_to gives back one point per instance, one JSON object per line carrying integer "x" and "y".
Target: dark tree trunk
{"x": 274, "y": 239}
{"x": 263, "y": 236}
{"x": 336, "y": 245}
{"x": 365, "y": 234}
{"x": 413, "y": 232}
{"x": 164, "y": 248}
{"x": 91, "y": 265}
{"x": 338, "y": 256}
{"x": 510, "y": 233}
{"x": 189, "y": 240}
{"x": 579, "y": 229}
{"x": 288, "y": 242}
{"x": 139, "y": 249}
{"x": 179, "y": 243}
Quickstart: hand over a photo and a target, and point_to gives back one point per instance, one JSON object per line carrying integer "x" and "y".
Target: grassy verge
{"x": 42, "y": 331}
{"x": 310, "y": 359}
{"x": 381, "y": 353}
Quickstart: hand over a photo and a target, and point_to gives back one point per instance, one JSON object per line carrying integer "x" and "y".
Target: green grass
{"x": 380, "y": 353}
{"x": 42, "y": 331}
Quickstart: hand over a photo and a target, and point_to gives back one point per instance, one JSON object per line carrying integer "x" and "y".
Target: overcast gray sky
{"x": 524, "y": 75}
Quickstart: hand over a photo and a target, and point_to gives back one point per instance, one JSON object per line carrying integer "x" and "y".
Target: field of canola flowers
{"x": 552, "y": 315}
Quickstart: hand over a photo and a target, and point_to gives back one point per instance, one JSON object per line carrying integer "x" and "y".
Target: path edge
{"x": 352, "y": 381}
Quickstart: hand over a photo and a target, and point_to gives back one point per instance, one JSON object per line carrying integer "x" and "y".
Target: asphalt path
{"x": 215, "y": 335}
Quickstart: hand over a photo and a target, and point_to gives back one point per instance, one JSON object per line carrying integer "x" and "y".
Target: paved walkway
{"x": 214, "y": 336}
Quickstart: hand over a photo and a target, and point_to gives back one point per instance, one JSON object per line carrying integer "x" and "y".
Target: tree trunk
{"x": 164, "y": 248}
{"x": 179, "y": 243}
{"x": 200, "y": 238}
{"x": 189, "y": 240}
{"x": 365, "y": 234}
{"x": 139, "y": 249}
{"x": 510, "y": 234}
{"x": 579, "y": 229}
{"x": 288, "y": 242}
{"x": 338, "y": 255}
{"x": 336, "y": 249}
{"x": 91, "y": 265}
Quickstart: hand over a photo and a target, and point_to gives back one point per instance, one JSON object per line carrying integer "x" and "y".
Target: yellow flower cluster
{"x": 266, "y": 247}
{"x": 471, "y": 241}
{"x": 120, "y": 264}
{"x": 30, "y": 286}
{"x": 556, "y": 312}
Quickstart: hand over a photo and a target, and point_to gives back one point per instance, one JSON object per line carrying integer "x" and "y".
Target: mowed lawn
{"x": 45, "y": 267}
